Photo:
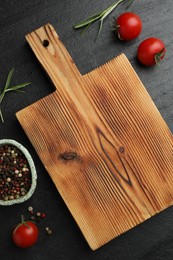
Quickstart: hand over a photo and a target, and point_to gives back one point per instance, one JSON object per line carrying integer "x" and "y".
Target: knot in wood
{"x": 67, "y": 156}
{"x": 121, "y": 149}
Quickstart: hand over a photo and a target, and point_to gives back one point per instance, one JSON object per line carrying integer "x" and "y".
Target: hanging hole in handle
{"x": 45, "y": 43}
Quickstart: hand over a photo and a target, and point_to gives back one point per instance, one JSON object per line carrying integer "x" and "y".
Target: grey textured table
{"x": 150, "y": 240}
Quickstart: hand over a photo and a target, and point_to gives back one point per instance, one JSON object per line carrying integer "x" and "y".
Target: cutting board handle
{"x": 53, "y": 56}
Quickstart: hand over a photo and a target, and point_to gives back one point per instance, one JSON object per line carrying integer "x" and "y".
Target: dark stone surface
{"x": 150, "y": 240}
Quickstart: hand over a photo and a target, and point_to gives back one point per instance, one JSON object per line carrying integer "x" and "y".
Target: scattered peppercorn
{"x": 37, "y": 218}
{"x": 15, "y": 174}
{"x": 30, "y": 209}
{"x": 43, "y": 215}
{"x": 32, "y": 217}
{"x": 49, "y": 231}
{"x": 38, "y": 214}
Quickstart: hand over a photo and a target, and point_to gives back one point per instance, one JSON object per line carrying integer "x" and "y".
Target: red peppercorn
{"x": 43, "y": 215}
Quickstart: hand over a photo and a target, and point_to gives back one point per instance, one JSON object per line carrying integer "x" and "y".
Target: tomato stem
{"x": 159, "y": 56}
{"x": 22, "y": 219}
{"x": 23, "y": 222}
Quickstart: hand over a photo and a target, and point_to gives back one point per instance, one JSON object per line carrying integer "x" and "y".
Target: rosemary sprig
{"x": 99, "y": 16}
{"x": 7, "y": 88}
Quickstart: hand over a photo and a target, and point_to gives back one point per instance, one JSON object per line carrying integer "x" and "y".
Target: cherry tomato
{"x": 25, "y": 234}
{"x": 151, "y": 51}
{"x": 129, "y": 26}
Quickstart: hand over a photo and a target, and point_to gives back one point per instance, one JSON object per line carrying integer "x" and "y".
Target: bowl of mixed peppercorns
{"x": 18, "y": 177}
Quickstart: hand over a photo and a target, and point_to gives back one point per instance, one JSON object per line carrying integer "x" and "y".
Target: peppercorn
{"x": 48, "y": 231}
{"x": 30, "y": 209}
{"x": 12, "y": 166}
{"x": 32, "y": 217}
{"x": 38, "y": 214}
{"x": 43, "y": 215}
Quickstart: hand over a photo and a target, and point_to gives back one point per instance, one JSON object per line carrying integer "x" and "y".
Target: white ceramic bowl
{"x": 32, "y": 169}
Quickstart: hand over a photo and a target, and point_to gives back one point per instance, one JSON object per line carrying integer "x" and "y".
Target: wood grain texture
{"x": 102, "y": 140}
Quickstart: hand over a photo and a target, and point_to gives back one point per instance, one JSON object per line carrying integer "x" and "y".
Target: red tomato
{"x": 151, "y": 51}
{"x": 25, "y": 234}
{"x": 129, "y": 26}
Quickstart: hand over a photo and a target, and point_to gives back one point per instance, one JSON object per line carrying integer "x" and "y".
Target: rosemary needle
{"x": 7, "y": 88}
{"x": 130, "y": 2}
{"x": 99, "y": 16}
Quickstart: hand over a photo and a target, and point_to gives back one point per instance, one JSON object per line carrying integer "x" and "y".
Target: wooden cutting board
{"x": 102, "y": 140}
